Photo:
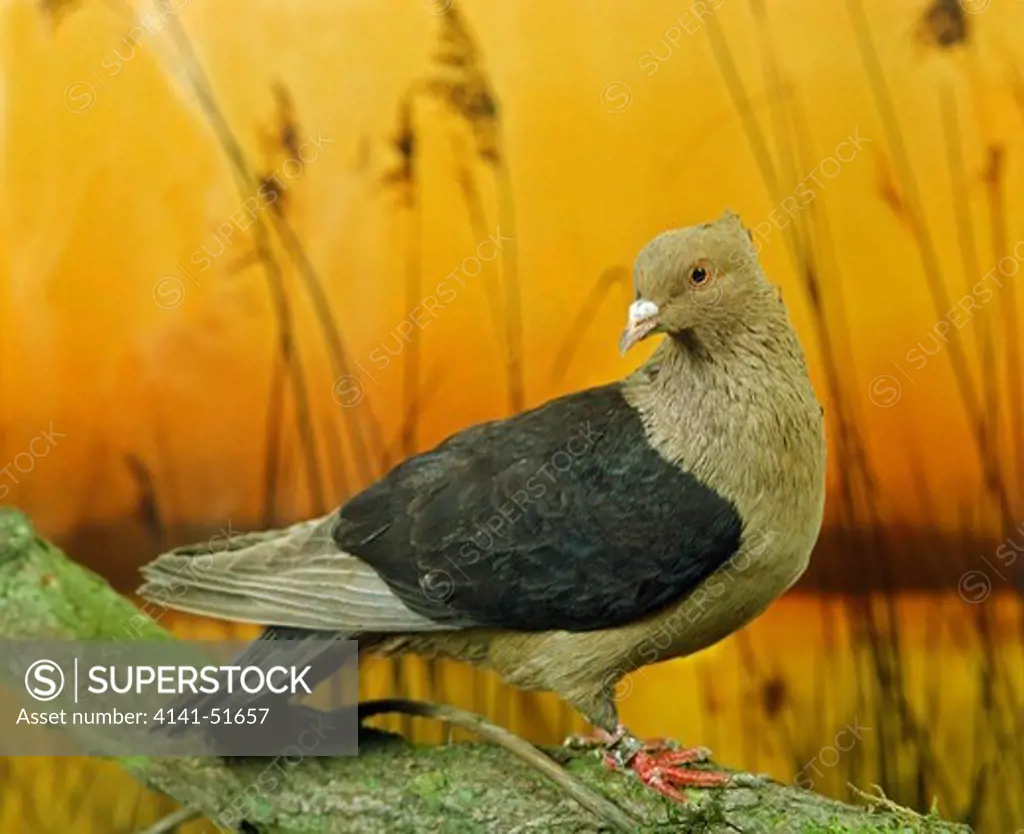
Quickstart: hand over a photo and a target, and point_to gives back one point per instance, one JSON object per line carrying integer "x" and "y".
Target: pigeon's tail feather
{"x": 296, "y": 577}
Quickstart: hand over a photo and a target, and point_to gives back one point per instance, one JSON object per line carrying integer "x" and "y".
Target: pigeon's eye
{"x": 698, "y": 275}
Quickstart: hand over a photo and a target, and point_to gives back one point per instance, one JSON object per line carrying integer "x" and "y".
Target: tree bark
{"x": 393, "y": 785}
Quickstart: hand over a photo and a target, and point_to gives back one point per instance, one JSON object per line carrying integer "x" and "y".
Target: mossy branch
{"x": 393, "y": 785}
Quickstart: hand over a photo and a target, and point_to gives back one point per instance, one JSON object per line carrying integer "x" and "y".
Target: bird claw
{"x": 623, "y": 752}
{"x": 660, "y": 766}
{"x": 619, "y": 747}
{"x": 659, "y": 763}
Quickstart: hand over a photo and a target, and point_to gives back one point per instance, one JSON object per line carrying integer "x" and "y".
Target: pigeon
{"x": 569, "y": 545}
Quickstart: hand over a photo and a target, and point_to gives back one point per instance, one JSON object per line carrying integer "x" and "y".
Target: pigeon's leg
{"x": 659, "y": 763}
{"x": 664, "y": 769}
{"x": 599, "y": 710}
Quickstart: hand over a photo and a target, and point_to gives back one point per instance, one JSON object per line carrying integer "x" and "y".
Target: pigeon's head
{"x": 702, "y": 278}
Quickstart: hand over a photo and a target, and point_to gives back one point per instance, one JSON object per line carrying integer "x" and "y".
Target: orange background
{"x": 613, "y": 122}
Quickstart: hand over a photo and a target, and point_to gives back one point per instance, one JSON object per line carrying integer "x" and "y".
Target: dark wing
{"x": 559, "y": 518}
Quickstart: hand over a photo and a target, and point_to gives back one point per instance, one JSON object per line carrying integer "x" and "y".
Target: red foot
{"x": 660, "y": 771}
{"x": 659, "y": 767}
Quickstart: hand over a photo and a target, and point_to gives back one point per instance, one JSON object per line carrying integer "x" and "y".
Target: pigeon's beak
{"x": 643, "y": 320}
